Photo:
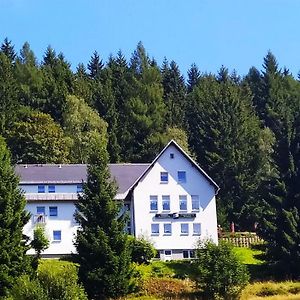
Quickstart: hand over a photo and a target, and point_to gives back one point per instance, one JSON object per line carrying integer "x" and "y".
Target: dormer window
{"x": 51, "y": 189}
{"x": 79, "y": 188}
{"x": 164, "y": 177}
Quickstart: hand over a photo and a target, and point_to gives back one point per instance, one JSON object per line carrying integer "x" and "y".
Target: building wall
{"x": 64, "y": 222}
{"x": 196, "y": 184}
{"x": 59, "y": 188}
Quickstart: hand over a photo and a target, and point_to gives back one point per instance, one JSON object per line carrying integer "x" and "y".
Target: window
{"x": 41, "y": 189}
{"x": 51, "y": 189}
{"x": 192, "y": 254}
{"x": 168, "y": 228}
{"x": 168, "y": 252}
{"x": 166, "y": 202}
{"x": 185, "y": 253}
{"x": 195, "y": 202}
{"x": 171, "y": 155}
{"x": 79, "y": 188}
{"x": 56, "y": 235}
{"x": 196, "y": 228}
{"x": 181, "y": 176}
{"x": 53, "y": 211}
{"x": 182, "y": 203}
{"x": 153, "y": 203}
{"x": 40, "y": 210}
{"x": 155, "y": 229}
{"x": 164, "y": 177}
{"x": 185, "y": 228}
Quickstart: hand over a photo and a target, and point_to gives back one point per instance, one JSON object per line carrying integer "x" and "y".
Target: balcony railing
{"x": 39, "y": 219}
{"x": 51, "y": 196}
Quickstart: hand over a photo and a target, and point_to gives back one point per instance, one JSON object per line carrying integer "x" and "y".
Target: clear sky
{"x": 235, "y": 33}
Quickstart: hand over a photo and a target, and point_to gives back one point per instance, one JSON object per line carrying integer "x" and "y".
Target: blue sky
{"x": 235, "y": 33}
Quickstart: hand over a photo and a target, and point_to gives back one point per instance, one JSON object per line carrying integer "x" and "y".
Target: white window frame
{"x": 164, "y": 177}
{"x": 183, "y": 199}
{"x": 195, "y": 199}
{"x": 153, "y": 199}
{"x": 166, "y": 199}
{"x": 53, "y": 236}
{"x": 155, "y": 225}
{"x": 166, "y": 230}
{"x": 184, "y": 231}
{"x": 51, "y": 188}
{"x": 195, "y": 226}
{"x": 41, "y": 189}
{"x": 53, "y": 207}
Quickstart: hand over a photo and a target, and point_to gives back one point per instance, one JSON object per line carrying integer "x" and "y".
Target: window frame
{"x": 195, "y": 201}
{"x": 167, "y": 232}
{"x": 181, "y": 179}
{"x": 51, "y": 188}
{"x": 51, "y": 209}
{"x": 41, "y": 213}
{"x": 54, "y": 235}
{"x": 186, "y": 232}
{"x": 154, "y": 225}
{"x": 41, "y": 189}
{"x": 164, "y": 177}
{"x": 153, "y": 200}
{"x": 194, "y": 227}
{"x": 166, "y": 199}
{"x": 183, "y": 199}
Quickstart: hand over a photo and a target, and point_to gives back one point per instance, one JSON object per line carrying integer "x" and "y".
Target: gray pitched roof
{"x": 124, "y": 174}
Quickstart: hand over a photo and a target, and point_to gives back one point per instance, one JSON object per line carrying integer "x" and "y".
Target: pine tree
{"x": 13, "y": 217}
{"x": 8, "y": 49}
{"x": 193, "y": 77}
{"x": 95, "y": 66}
{"x": 101, "y": 242}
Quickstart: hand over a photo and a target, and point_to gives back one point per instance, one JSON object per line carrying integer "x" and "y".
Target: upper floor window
{"x": 153, "y": 203}
{"x": 79, "y": 188}
{"x": 155, "y": 228}
{"x": 164, "y": 177}
{"x": 168, "y": 228}
{"x": 41, "y": 189}
{"x": 56, "y": 235}
{"x": 182, "y": 202}
{"x": 196, "y": 228}
{"x": 53, "y": 211}
{"x": 51, "y": 189}
{"x": 184, "y": 228}
{"x": 166, "y": 202}
{"x": 195, "y": 202}
{"x": 181, "y": 176}
{"x": 40, "y": 210}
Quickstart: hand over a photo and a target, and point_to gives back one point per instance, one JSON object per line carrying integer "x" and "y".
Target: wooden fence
{"x": 242, "y": 241}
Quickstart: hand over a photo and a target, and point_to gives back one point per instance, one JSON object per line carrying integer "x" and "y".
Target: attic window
{"x": 171, "y": 155}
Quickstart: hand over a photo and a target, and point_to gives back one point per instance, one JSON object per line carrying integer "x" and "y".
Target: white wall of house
{"x": 59, "y": 188}
{"x": 63, "y": 222}
{"x": 196, "y": 184}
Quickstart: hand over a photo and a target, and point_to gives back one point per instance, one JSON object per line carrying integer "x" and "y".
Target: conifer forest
{"x": 244, "y": 131}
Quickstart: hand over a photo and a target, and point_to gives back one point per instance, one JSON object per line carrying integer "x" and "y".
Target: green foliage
{"x": 13, "y": 217}
{"x": 102, "y": 245}
{"x": 36, "y": 138}
{"x": 218, "y": 271}
{"x": 84, "y": 126}
{"x": 55, "y": 280}
{"x": 142, "y": 251}
{"x": 40, "y": 242}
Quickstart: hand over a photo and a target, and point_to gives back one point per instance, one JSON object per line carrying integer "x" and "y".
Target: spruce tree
{"x": 95, "y": 66}
{"x": 101, "y": 243}
{"x": 8, "y": 49}
{"x": 13, "y": 217}
{"x": 193, "y": 77}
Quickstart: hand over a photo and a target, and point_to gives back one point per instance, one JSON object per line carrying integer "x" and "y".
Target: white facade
{"x": 174, "y": 227}
{"x": 172, "y": 203}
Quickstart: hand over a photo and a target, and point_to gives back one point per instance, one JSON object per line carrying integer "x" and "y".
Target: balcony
{"x": 39, "y": 219}
{"x": 51, "y": 196}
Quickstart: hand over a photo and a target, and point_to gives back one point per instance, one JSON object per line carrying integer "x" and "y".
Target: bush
{"x": 218, "y": 271}
{"x": 55, "y": 280}
{"x": 142, "y": 251}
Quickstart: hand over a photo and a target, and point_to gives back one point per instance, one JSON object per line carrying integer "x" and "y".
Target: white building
{"x": 171, "y": 202}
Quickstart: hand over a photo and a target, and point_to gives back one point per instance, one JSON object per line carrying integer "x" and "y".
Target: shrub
{"x": 218, "y": 272}
{"x": 142, "y": 251}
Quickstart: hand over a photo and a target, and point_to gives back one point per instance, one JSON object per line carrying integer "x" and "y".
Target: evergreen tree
{"x": 95, "y": 66}
{"x": 228, "y": 141}
{"x": 193, "y": 77}
{"x": 8, "y": 49}
{"x": 13, "y": 217}
{"x": 102, "y": 245}
{"x": 174, "y": 95}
